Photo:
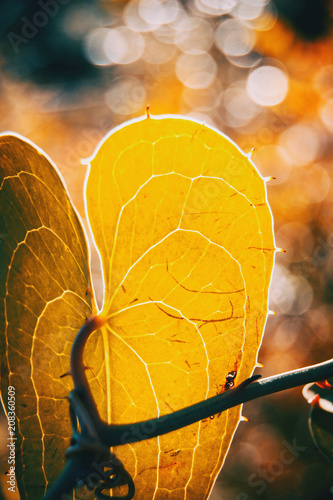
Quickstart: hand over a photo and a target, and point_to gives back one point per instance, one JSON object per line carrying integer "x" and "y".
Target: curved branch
{"x": 247, "y": 391}
{"x": 94, "y": 431}
{"x": 114, "y": 435}
{"x": 78, "y": 368}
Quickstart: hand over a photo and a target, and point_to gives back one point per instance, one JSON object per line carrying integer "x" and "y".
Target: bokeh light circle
{"x": 157, "y": 52}
{"x": 240, "y": 108}
{"x": 126, "y": 96}
{"x": 123, "y": 45}
{"x": 267, "y": 85}
{"x": 326, "y": 114}
{"x": 196, "y": 71}
{"x": 248, "y": 10}
{"x": 158, "y": 12}
{"x": 194, "y": 35}
{"x": 94, "y": 47}
{"x": 234, "y": 38}
{"x": 290, "y": 293}
{"x": 302, "y": 142}
{"x": 215, "y": 7}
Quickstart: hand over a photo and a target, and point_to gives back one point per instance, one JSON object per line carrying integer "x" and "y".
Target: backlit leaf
{"x": 181, "y": 221}
{"x": 43, "y": 303}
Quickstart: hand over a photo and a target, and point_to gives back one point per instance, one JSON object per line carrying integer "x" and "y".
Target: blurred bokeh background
{"x": 261, "y": 71}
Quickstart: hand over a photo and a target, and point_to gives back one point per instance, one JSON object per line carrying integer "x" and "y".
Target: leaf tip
{"x": 270, "y": 178}
{"x": 244, "y": 419}
{"x": 281, "y": 250}
{"x": 147, "y": 112}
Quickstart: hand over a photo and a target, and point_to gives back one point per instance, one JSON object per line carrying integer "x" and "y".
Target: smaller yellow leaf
{"x": 44, "y": 278}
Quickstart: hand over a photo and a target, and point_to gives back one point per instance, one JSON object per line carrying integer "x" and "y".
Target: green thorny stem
{"x": 89, "y": 452}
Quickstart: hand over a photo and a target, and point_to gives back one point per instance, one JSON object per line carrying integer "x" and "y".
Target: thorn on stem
{"x": 247, "y": 382}
{"x": 66, "y": 374}
{"x": 250, "y": 153}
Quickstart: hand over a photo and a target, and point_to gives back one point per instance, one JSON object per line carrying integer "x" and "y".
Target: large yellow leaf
{"x": 183, "y": 228}
{"x": 43, "y": 303}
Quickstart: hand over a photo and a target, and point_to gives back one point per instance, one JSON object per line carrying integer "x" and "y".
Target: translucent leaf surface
{"x": 181, "y": 221}
{"x": 43, "y": 303}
